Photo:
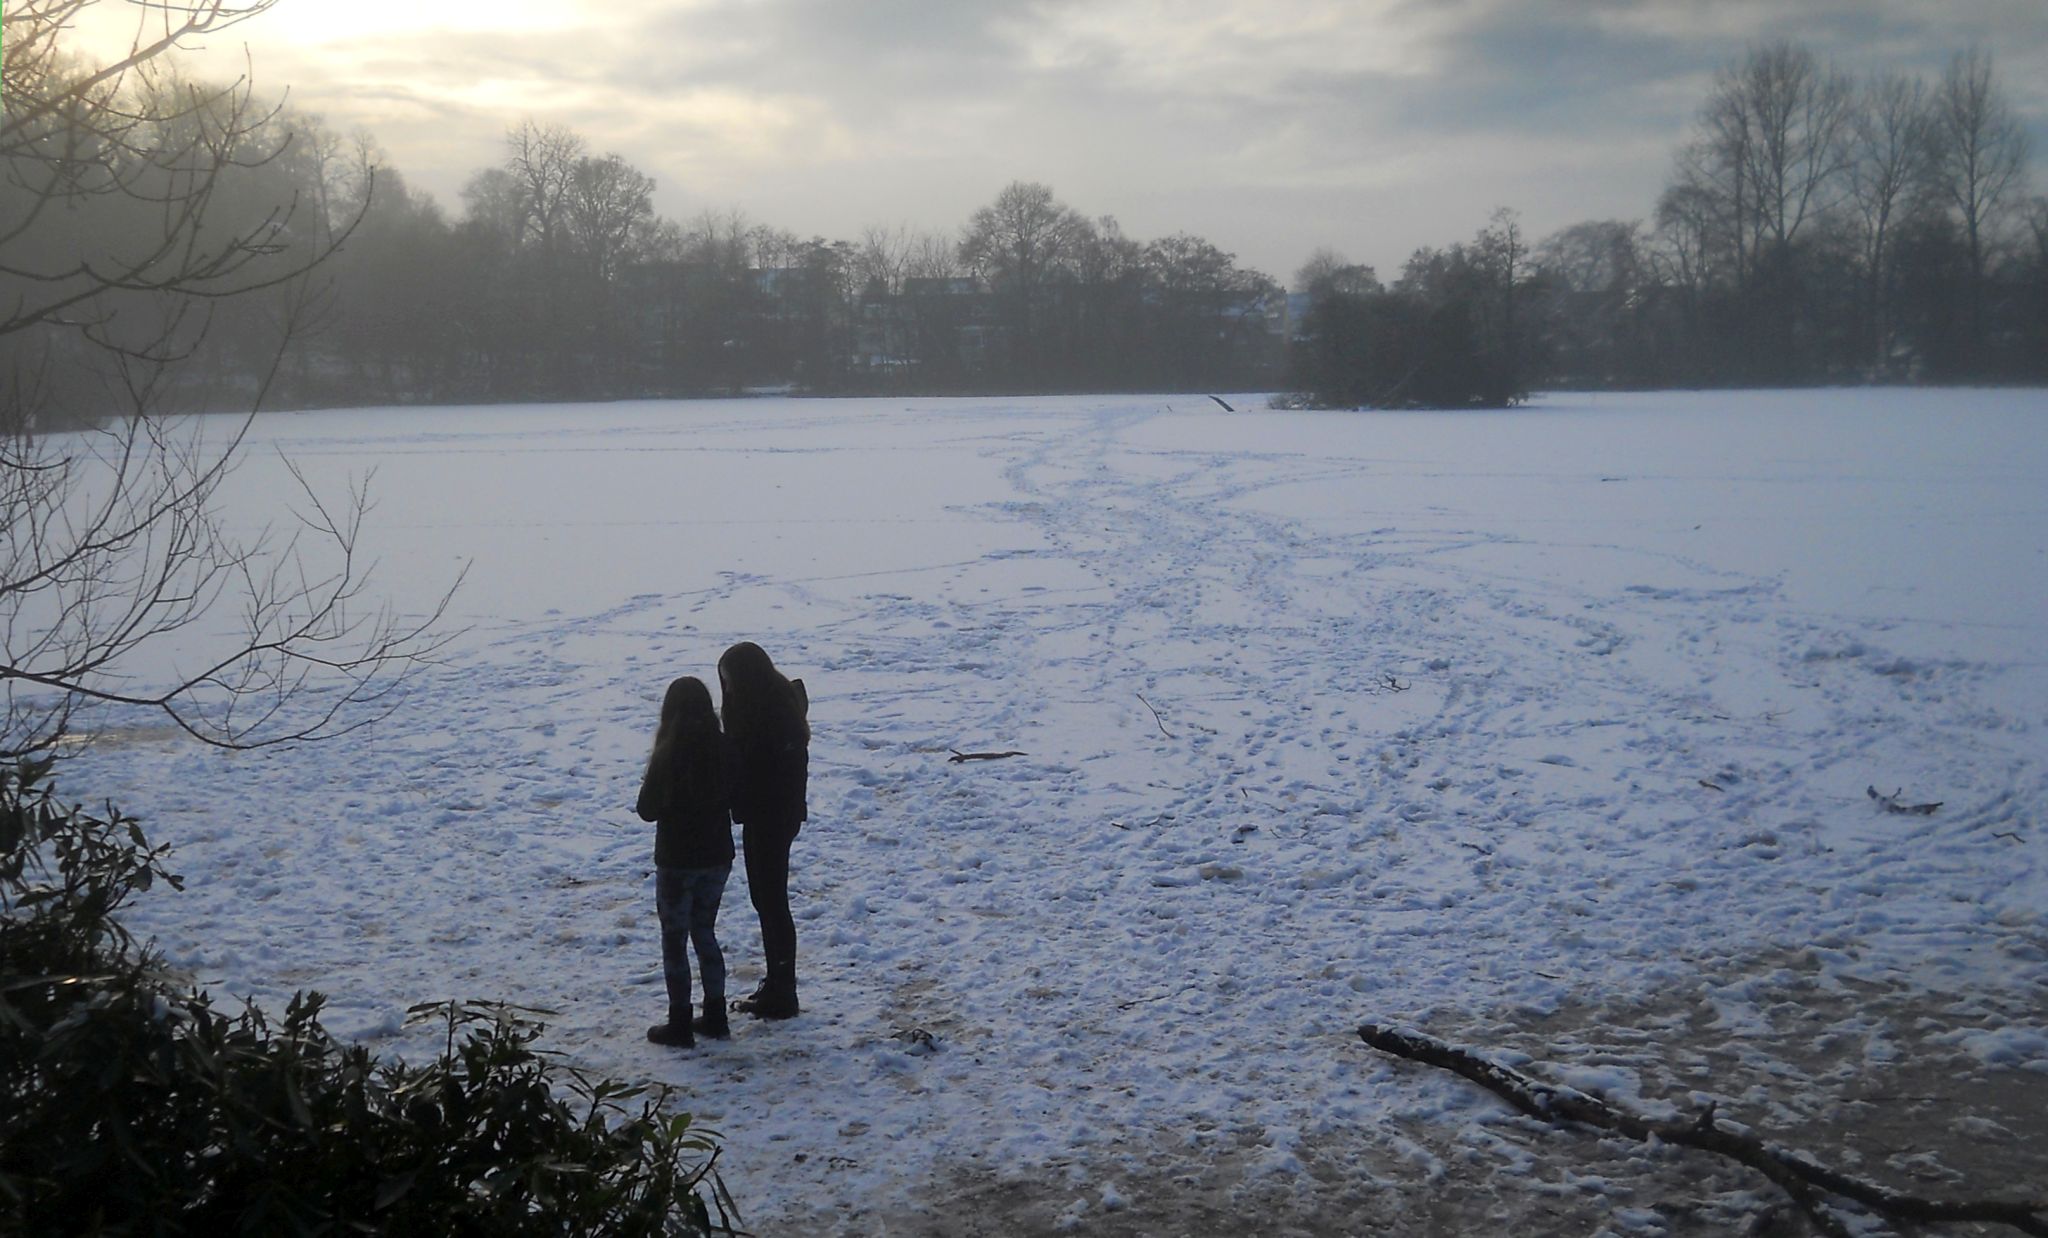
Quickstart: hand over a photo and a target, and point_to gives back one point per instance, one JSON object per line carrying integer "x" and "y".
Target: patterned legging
{"x": 686, "y": 899}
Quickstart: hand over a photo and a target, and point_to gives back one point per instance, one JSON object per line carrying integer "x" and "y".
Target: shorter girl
{"x": 684, "y": 794}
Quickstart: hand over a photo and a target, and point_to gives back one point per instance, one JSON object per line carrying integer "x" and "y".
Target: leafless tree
{"x": 542, "y": 161}
{"x": 1022, "y": 236}
{"x": 1770, "y": 151}
{"x": 494, "y": 205}
{"x": 608, "y": 198}
{"x": 1022, "y": 245}
{"x": 1888, "y": 180}
{"x": 882, "y": 259}
{"x": 1601, "y": 256}
{"x": 125, "y": 226}
{"x": 1979, "y": 160}
{"x": 1501, "y": 253}
{"x": 1328, "y": 271}
{"x": 933, "y": 256}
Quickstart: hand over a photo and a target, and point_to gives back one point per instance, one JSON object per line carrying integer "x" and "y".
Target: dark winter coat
{"x": 770, "y": 773}
{"x": 690, "y": 807}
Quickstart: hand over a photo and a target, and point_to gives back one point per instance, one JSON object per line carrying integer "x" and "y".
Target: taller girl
{"x": 769, "y": 740}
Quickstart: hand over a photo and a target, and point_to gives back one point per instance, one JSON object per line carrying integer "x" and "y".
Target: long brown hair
{"x": 761, "y": 705}
{"x": 686, "y": 743}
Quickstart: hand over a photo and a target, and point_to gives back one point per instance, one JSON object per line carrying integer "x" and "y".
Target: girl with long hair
{"x": 768, "y": 737}
{"x": 684, "y": 794}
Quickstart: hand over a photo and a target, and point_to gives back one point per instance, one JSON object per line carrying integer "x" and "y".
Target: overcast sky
{"x": 1270, "y": 127}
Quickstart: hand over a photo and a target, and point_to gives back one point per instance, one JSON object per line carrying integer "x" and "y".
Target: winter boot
{"x": 776, "y": 998}
{"x": 746, "y": 1004}
{"x": 712, "y": 1022}
{"x": 675, "y": 1035}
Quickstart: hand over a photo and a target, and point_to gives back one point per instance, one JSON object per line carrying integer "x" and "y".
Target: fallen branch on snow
{"x": 959, "y": 756}
{"x": 1811, "y": 1185}
{"x": 1891, "y": 803}
{"x": 1155, "y": 716}
{"x": 1156, "y": 997}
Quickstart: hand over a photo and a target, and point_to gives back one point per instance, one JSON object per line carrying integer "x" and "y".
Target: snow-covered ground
{"x": 1459, "y": 720}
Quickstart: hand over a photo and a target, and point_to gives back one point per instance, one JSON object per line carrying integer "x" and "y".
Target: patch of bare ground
{"x": 1886, "y": 1082}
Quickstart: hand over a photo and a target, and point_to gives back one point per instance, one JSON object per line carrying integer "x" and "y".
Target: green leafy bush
{"x": 128, "y": 1103}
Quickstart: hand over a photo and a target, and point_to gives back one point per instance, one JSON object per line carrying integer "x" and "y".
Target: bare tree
{"x": 933, "y": 256}
{"x": 1770, "y": 151}
{"x": 882, "y": 259}
{"x": 1501, "y": 253}
{"x": 1328, "y": 271}
{"x": 1022, "y": 235}
{"x": 1021, "y": 245}
{"x": 124, "y": 228}
{"x": 494, "y": 206}
{"x": 1979, "y": 161}
{"x": 1767, "y": 161}
{"x": 1888, "y": 180}
{"x": 1599, "y": 256}
{"x": 542, "y": 160}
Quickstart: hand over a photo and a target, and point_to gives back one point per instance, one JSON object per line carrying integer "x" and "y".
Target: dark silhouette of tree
{"x": 403, "y": 297}
{"x": 1978, "y": 166}
{"x": 1769, "y": 153}
{"x": 1023, "y": 246}
{"x": 1210, "y": 313}
{"x": 1889, "y": 183}
{"x": 1454, "y": 331}
{"x": 1601, "y": 299}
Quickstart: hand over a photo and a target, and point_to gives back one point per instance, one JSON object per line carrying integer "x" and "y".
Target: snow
{"x": 1326, "y": 718}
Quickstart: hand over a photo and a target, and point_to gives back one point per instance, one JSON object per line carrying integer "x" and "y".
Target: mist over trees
{"x": 158, "y": 256}
{"x": 1815, "y": 227}
{"x": 1818, "y": 228}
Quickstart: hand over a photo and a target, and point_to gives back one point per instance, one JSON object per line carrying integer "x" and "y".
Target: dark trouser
{"x": 767, "y": 851}
{"x": 687, "y": 901}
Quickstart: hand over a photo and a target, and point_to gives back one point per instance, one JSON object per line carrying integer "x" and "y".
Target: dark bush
{"x": 129, "y": 1104}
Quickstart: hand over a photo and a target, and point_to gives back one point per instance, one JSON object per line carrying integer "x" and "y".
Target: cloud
{"x": 1372, "y": 125}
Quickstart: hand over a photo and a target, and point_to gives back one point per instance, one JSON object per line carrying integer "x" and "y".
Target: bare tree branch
{"x": 1810, "y": 1184}
{"x": 136, "y": 209}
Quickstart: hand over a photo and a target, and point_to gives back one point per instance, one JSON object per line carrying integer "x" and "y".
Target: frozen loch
{"x": 1549, "y": 732}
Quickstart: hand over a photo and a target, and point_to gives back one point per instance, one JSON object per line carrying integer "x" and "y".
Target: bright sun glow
{"x": 311, "y": 21}
{"x": 106, "y": 30}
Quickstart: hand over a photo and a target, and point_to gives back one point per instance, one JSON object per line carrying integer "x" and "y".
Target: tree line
{"x": 1815, "y": 228}
{"x": 558, "y": 279}
{"x": 1819, "y": 227}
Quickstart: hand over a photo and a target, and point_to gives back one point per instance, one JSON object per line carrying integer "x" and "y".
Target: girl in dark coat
{"x": 769, "y": 741}
{"x": 684, "y": 794}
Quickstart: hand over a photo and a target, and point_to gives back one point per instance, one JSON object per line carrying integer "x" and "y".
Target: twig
{"x": 1157, "y": 997}
{"x": 1891, "y": 803}
{"x": 959, "y": 756}
{"x": 1155, "y": 716}
{"x": 1808, "y": 1182}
